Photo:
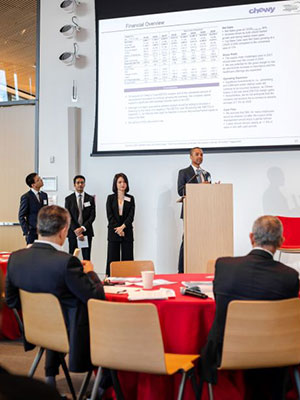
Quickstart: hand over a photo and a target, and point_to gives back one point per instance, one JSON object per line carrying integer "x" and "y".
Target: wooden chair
{"x": 262, "y": 334}
{"x": 130, "y": 268}
{"x": 210, "y": 266}
{"x": 44, "y": 326}
{"x": 118, "y": 342}
{"x": 291, "y": 233}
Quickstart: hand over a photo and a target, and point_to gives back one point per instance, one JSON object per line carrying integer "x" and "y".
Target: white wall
{"x": 263, "y": 182}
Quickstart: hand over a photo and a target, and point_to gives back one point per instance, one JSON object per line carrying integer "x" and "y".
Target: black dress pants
{"x": 52, "y": 363}
{"x": 118, "y": 251}
{"x": 266, "y": 384}
{"x": 181, "y": 258}
{"x": 31, "y": 237}
{"x": 86, "y": 252}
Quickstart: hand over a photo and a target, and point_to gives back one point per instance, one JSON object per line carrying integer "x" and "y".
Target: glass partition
{"x": 18, "y": 21}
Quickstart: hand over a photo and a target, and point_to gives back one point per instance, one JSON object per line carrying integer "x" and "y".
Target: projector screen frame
{"x": 117, "y": 9}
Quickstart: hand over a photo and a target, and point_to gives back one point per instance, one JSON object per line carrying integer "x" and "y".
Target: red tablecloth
{"x": 9, "y": 329}
{"x": 185, "y": 323}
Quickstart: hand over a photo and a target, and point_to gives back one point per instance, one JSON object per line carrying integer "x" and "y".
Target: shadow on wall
{"x": 166, "y": 234}
{"x": 274, "y": 201}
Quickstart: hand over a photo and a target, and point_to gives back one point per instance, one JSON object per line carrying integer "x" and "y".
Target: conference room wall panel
{"x": 263, "y": 182}
{"x": 17, "y": 136}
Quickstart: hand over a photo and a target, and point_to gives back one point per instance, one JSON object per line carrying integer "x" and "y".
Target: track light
{"x": 69, "y": 30}
{"x": 69, "y": 58}
{"x": 69, "y": 5}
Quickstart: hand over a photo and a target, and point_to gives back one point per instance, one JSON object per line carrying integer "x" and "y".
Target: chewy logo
{"x": 262, "y": 10}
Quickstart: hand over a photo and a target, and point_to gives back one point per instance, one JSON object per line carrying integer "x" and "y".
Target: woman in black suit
{"x": 120, "y": 209}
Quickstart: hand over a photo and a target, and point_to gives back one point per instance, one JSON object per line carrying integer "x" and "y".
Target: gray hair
{"x": 267, "y": 230}
{"x": 51, "y": 220}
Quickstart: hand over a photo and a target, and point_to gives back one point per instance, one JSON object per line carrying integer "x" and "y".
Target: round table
{"x": 185, "y": 323}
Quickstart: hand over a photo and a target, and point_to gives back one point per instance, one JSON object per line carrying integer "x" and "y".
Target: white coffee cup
{"x": 147, "y": 277}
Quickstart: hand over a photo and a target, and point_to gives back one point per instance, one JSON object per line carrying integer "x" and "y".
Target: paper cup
{"x": 147, "y": 277}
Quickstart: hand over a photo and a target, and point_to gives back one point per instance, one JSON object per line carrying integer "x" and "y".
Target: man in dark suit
{"x": 46, "y": 268}
{"x": 30, "y": 204}
{"x": 81, "y": 207}
{"x": 256, "y": 276}
{"x": 192, "y": 174}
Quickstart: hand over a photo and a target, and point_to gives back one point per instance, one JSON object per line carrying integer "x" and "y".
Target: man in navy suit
{"x": 82, "y": 209}
{"x": 46, "y": 268}
{"x": 30, "y": 204}
{"x": 256, "y": 276}
{"x": 192, "y": 174}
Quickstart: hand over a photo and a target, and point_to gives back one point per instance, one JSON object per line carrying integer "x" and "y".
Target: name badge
{"x": 87, "y": 204}
{"x": 45, "y": 202}
{"x": 126, "y": 198}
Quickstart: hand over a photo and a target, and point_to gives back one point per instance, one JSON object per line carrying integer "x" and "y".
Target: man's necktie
{"x": 80, "y": 219}
{"x": 198, "y": 172}
{"x": 39, "y": 197}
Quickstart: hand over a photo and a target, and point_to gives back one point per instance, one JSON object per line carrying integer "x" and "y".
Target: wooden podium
{"x": 208, "y": 225}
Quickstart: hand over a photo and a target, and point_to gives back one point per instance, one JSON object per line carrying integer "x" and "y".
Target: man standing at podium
{"x": 192, "y": 174}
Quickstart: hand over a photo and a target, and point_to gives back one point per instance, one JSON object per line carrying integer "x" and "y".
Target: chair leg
{"x": 210, "y": 392}
{"x": 85, "y": 384}
{"x": 182, "y": 385}
{"x": 36, "y": 361}
{"x": 297, "y": 380}
{"x": 96, "y": 384}
{"x": 67, "y": 375}
{"x": 116, "y": 384}
{"x": 194, "y": 383}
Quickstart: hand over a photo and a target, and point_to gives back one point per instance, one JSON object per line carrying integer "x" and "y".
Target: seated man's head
{"x": 267, "y": 233}
{"x": 53, "y": 224}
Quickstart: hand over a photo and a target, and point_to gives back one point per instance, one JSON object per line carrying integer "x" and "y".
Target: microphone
{"x": 193, "y": 291}
{"x": 189, "y": 181}
{"x": 204, "y": 174}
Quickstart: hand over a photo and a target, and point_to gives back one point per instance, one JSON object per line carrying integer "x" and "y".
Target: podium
{"x": 208, "y": 225}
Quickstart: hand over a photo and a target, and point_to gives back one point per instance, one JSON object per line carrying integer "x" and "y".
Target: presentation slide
{"x": 218, "y": 77}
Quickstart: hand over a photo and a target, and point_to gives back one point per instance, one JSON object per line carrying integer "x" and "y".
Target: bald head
{"x": 267, "y": 233}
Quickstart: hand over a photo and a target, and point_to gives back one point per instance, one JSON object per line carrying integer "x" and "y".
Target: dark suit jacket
{"x": 43, "y": 269}
{"x": 253, "y": 277}
{"x": 114, "y": 219}
{"x": 184, "y": 176}
{"x": 28, "y": 211}
{"x": 88, "y": 214}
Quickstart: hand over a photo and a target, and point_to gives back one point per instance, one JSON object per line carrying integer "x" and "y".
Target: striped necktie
{"x": 80, "y": 218}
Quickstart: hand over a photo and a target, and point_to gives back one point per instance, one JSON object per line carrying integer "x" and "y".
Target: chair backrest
{"x": 210, "y": 266}
{"x": 126, "y": 336}
{"x": 291, "y": 231}
{"x": 261, "y": 334}
{"x": 44, "y": 324}
{"x": 130, "y": 268}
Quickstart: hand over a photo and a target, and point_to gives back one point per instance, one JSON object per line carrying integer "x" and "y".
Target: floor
{"x": 15, "y": 360}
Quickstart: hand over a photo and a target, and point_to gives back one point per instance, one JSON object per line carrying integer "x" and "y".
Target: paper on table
{"x": 157, "y": 282}
{"x": 196, "y": 283}
{"x": 124, "y": 279}
{"x": 120, "y": 289}
{"x": 82, "y": 244}
{"x": 160, "y": 294}
{"x": 208, "y": 290}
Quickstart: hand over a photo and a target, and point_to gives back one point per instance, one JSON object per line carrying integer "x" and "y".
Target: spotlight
{"x": 69, "y": 30}
{"x": 69, "y": 5}
{"x": 69, "y": 58}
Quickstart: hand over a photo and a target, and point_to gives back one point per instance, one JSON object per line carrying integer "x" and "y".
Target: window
{"x": 18, "y": 21}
